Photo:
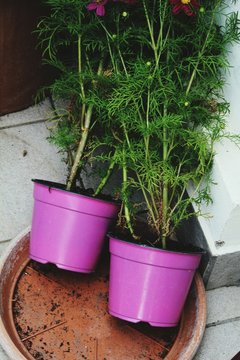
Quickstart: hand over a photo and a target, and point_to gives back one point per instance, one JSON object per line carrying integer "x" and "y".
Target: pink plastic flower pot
{"x": 149, "y": 284}
{"x": 68, "y": 229}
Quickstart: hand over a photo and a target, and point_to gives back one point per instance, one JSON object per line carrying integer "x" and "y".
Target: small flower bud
{"x": 124, "y": 14}
{"x": 114, "y": 36}
{"x": 148, "y": 63}
{"x": 202, "y": 9}
{"x": 186, "y": 103}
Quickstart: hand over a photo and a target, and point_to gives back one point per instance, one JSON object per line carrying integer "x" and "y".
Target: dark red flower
{"x": 189, "y": 7}
{"x": 98, "y": 5}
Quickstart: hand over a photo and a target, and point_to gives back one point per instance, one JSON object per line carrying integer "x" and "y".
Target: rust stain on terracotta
{"x": 62, "y": 315}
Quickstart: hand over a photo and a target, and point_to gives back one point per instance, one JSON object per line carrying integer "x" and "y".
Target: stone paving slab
{"x": 25, "y": 153}
{"x": 221, "y": 342}
{"x": 32, "y": 114}
{"x": 3, "y": 355}
{"x": 223, "y": 304}
{"x": 3, "y": 246}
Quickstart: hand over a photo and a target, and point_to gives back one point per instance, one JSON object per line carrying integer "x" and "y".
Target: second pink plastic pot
{"x": 68, "y": 229}
{"x": 149, "y": 284}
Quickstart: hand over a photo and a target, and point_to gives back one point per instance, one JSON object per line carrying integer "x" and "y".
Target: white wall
{"x": 222, "y": 230}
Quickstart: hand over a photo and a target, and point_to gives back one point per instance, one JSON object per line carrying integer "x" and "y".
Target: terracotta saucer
{"x": 47, "y": 313}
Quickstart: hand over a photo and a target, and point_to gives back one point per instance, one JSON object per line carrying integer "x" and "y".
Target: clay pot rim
{"x": 199, "y": 326}
{"x": 177, "y": 351}
{"x": 6, "y": 341}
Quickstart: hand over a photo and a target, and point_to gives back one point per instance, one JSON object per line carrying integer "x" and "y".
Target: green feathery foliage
{"x": 147, "y": 84}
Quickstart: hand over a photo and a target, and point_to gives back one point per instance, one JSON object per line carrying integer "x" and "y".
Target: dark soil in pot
{"x": 149, "y": 240}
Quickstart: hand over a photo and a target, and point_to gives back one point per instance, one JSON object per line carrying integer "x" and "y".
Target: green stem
{"x": 81, "y": 147}
{"x": 150, "y": 28}
{"x": 158, "y": 45}
{"x": 79, "y": 47}
{"x": 83, "y": 140}
{"x": 118, "y": 47}
{"x": 147, "y": 138}
{"x": 126, "y": 135}
{"x": 111, "y": 55}
{"x": 201, "y": 53}
{"x": 153, "y": 12}
{"x": 161, "y": 25}
{"x": 174, "y": 187}
{"x": 126, "y": 208}
{"x": 148, "y": 160}
{"x": 109, "y": 36}
{"x": 165, "y": 188}
{"x": 150, "y": 208}
{"x": 122, "y": 61}
{"x": 106, "y": 177}
{"x": 80, "y": 67}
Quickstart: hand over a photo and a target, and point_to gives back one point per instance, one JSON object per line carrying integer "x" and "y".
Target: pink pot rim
{"x": 199, "y": 252}
{"x": 153, "y": 256}
{"x": 57, "y": 187}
